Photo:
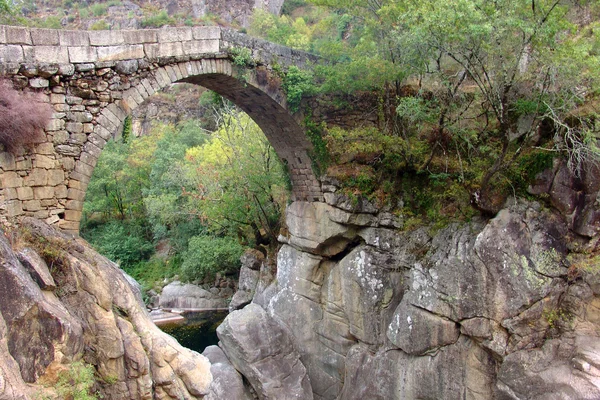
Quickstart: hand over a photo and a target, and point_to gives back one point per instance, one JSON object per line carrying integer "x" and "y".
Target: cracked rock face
{"x": 483, "y": 310}
{"x": 83, "y": 308}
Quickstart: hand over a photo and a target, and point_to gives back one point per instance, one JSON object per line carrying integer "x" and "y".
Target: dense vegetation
{"x": 474, "y": 97}
{"x": 197, "y": 198}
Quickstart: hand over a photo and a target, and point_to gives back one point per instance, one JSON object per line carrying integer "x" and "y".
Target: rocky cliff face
{"x": 357, "y": 309}
{"x": 61, "y": 302}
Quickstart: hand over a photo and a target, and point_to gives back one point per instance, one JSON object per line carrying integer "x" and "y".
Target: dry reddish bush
{"x": 22, "y": 117}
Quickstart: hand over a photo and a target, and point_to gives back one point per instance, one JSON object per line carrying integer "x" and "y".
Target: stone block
{"x": 48, "y": 203}
{"x": 102, "y": 132}
{"x": 43, "y": 192}
{"x": 88, "y": 159}
{"x": 7, "y": 161}
{"x": 173, "y": 72}
{"x": 10, "y": 193}
{"x": 84, "y": 116}
{"x": 74, "y": 127}
{"x": 94, "y": 145}
{"x": 60, "y": 137}
{"x": 44, "y": 148}
{"x": 173, "y": 49}
{"x": 11, "y": 179}
{"x": 200, "y": 47}
{"x": 83, "y": 54}
{"x": 75, "y": 194}
{"x": 2, "y": 34}
{"x": 38, "y": 83}
{"x": 60, "y": 192}
{"x": 56, "y": 177}
{"x": 37, "y": 177}
{"x": 32, "y": 205}
{"x": 11, "y": 53}
{"x": 42, "y": 161}
{"x": 24, "y": 165}
{"x": 140, "y": 36}
{"x": 73, "y": 38}
{"x": 74, "y": 205}
{"x": 56, "y": 98}
{"x": 73, "y": 215}
{"x": 55, "y": 124}
{"x": 67, "y": 163}
{"x": 206, "y": 32}
{"x": 179, "y": 34}
{"x": 75, "y": 184}
{"x": 84, "y": 169}
{"x": 88, "y": 128}
{"x": 52, "y": 219}
{"x": 123, "y": 52}
{"x": 107, "y": 123}
{"x": 44, "y": 37}
{"x": 68, "y": 225}
{"x": 46, "y": 54}
{"x": 14, "y": 208}
{"x": 106, "y": 38}
{"x": 77, "y": 138}
{"x": 17, "y": 35}
{"x": 25, "y": 193}
{"x": 67, "y": 150}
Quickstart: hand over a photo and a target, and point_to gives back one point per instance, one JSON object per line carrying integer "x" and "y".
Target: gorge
{"x": 416, "y": 263}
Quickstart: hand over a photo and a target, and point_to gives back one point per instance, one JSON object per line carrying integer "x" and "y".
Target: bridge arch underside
{"x": 53, "y": 187}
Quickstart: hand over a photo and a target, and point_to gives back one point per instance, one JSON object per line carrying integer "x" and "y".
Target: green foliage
{"x": 208, "y": 255}
{"x": 152, "y": 273}
{"x": 157, "y": 20}
{"x": 319, "y": 154}
{"x": 100, "y": 25}
{"x": 123, "y": 242}
{"x": 297, "y": 83}
{"x": 99, "y": 9}
{"x": 241, "y": 56}
{"x": 76, "y": 382}
{"x": 289, "y": 6}
{"x": 236, "y": 182}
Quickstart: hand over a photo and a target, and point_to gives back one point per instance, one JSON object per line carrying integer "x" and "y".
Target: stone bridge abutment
{"x": 93, "y": 80}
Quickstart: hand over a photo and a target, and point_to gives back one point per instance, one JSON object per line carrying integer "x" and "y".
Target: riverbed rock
{"x": 186, "y": 295}
{"x": 263, "y": 352}
{"x": 227, "y": 383}
{"x": 462, "y": 312}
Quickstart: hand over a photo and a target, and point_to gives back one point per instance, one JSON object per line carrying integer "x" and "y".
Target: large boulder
{"x": 263, "y": 352}
{"x": 92, "y": 314}
{"x": 227, "y": 383}
{"x": 186, "y": 295}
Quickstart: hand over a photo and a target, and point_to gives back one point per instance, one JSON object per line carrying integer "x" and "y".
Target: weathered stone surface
{"x": 312, "y": 230}
{"x": 227, "y": 383}
{"x": 557, "y": 370}
{"x": 463, "y": 371}
{"x": 37, "y": 268}
{"x": 263, "y": 352}
{"x": 99, "y": 316}
{"x": 179, "y": 295}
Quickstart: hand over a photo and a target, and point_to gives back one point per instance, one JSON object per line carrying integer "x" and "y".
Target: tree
{"x": 482, "y": 65}
{"x": 236, "y": 182}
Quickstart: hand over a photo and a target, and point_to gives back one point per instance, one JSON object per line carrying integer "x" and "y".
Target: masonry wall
{"x": 93, "y": 80}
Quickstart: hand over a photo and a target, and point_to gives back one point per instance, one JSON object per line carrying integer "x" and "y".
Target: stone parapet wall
{"x": 93, "y": 80}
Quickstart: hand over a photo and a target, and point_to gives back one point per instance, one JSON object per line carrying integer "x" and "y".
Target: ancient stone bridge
{"x": 94, "y": 79}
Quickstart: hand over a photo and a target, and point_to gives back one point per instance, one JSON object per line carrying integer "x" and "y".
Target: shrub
{"x": 99, "y": 9}
{"x": 156, "y": 21}
{"x": 208, "y": 255}
{"x": 122, "y": 242}
{"x": 22, "y": 118}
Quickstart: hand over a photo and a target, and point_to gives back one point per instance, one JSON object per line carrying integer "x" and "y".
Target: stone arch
{"x": 95, "y": 79}
{"x": 257, "y": 93}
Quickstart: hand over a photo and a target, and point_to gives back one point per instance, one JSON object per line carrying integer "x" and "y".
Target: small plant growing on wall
{"x": 23, "y": 117}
